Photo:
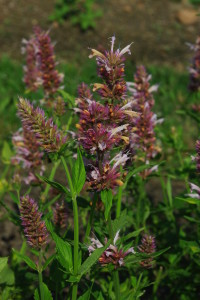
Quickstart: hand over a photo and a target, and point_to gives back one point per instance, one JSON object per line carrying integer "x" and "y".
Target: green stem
{"x": 89, "y": 224}
{"x": 110, "y": 230}
{"x": 119, "y": 202}
{"x": 115, "y": 273}
{"x": 116, "y": 284}
{"x": 76, "y": 227}
{"x": 51, "y": 177}
{"x": 68, "y": 177}
{"x": 40, "y": 276}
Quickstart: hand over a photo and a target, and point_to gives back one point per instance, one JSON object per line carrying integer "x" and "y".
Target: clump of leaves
{"x": 80, "y": 12}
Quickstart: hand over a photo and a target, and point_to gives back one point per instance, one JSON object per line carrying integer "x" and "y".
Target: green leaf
{"x": 119, "y": 223}
{"x": 86, "y": 295}
{"x": 158, "y": 253}
{"x": 107, "y": 197}
{"x": 133, "y": 234}
{"x": 135, "y": 258}
{"x": 78, "y": 174}
{"x": 54, "y": 184}
{"x": 137, "y": 170}
{"x": 46, "y": 292}
{"x": 191, "y": 219}
{"x": 64, "y": 253}
{"x": 169, "y": 191}
{"x": 6, "y": 153}
{"x": 92, "y": 259}
{"x": 48, "y": 261}
{"x": 192, "y": 245}
{"x": 3, "y": 262}
{"x": 189, "y": 200}
{"x": 26, "y": 259}
{"x": 7, "y": 276}
{"x": 67, "y": 97}
{"x": 36, "y": 295}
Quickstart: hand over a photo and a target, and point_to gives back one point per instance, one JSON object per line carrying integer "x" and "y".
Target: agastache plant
{"x": 142, "y": 140}
{"x": 60, "y": 215}
{"x": 50, "y": 138}
{"x": 28, "y": 154}
{"x": 105, "y": 130}
{"x": 195, "y": 189}
{"x": 103, "y": 126}
{"x": 194, "y": 70}
{"x": 113, "y": 254}
{"x": 34, "y": 228}
{"x": 40, "y": 69}
{"x": 147, "y": 246}
{"x": 35, "y": 231}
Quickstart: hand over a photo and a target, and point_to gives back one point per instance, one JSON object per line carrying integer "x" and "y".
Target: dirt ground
{"x": 152, "y": 25}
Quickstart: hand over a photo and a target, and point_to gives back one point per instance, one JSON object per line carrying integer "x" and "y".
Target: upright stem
{"x": 51, "y": 177}
{"x": 116, "y": 284}
{"x": 76, "y": 227}
{"x": 119, "y": 201}
{"x": 89, "y": 224}
{"x": 115, "y": 272}
{"x": 40, "y": 276}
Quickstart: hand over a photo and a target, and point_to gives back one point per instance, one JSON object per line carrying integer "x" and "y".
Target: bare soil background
{"x": 156, "y": 27}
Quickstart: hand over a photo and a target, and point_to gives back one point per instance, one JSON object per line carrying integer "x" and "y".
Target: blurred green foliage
{"x": 80, "y": 12}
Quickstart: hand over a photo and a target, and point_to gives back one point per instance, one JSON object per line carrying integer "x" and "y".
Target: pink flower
{"x": 111, "y": 70}
{"x": 34, "y": 228}
{"x": 113, "y": 254}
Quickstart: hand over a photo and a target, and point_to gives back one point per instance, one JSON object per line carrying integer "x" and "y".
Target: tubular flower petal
{"x": 112, "y": 255}
{"x": 148, "y": 246}
{"x": 34, "y": 228}
{"x": 46, "y": 133}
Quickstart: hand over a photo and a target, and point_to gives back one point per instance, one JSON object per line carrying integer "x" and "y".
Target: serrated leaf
{"x": 64, "y": 253}
{"x": 3, "y": 262}
{"x": 92, "y": 259}
{"x": 46, "y": 292}
{"x": 54, "y": 184}
{"x": 78, "y": 173}
{"x": 26, "y": 259}
{"x": 107, "y": 197}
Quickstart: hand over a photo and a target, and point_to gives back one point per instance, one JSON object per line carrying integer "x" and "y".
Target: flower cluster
{"x": 194, "y": 69}
{"x": 195, "y": 190}
{"x": 46, "y": 133}
{"x": 28, "y": 154}
{"x": 105, "y": 126}
{"x": 60, "y": 215}
{"x": 34, "y": 228}
{"x": 111, "y": 70}
{"x": 113, "y": 254}
{"x": 148, "y": 246}
{"x": 59, "y": 106}
{"x": 142, "y": 138}
{"x": 32, "y": 73}
{"x": 40, "y": 69}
